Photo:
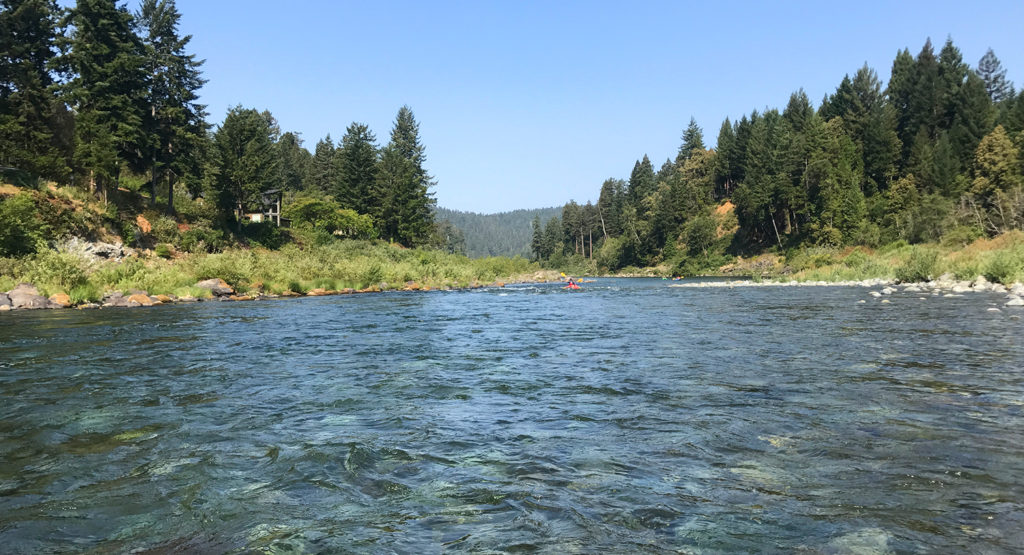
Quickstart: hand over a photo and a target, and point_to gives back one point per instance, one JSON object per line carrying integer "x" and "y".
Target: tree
{"x": 724, "y": 170}
{"x": 108, "y": 92}
{"x": 641, "y": 183}
{"x": 996, "y": 164}
{"x": 294, "y": 162}
{"x": 31, "y": 117}
{"x": 247, "y": 161}
{"x": 992, "y": 73}
{"x": 405, "y": 184}
{"x": 356, "y": 170}
{"x": 693, "y": 140}
{"x": 322, "y": 168}
{"x": 552, "y": 237}
{"x": 175, "y": 122}
{"x": 537, "y": 241}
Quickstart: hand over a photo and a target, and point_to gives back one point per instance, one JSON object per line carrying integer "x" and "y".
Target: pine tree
{"x": 992, "y": 73}
{"x": 952, "y": 74}
{"x": 405, "y": 184}
{"x": 31, "y": 119}
{"x": 725, "y": 146}
{"x": 552, "y": 237}
{"x": 322, "y": 168}
{"x": 973, "y": 118}
{"x": 537, "y": 240}
{"x": 641, "y": 184}
{"x": 609, "y": 207}
{"x": 108, "y": 93}
{"x": 294, "y": 162}
{"x": 356, "y": 171}
{"x": 693, "y": 140}
{"x": 924, "y": 109}
{"x": 247, "y": 159}
{"x": 899, "y": 93}
{"x": 175, "y": 123}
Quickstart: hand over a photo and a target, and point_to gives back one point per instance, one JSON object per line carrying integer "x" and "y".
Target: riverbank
{"x": 61, "y": 279}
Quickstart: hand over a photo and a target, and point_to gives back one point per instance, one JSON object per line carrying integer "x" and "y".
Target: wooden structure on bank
{"x": 270, "y": 204}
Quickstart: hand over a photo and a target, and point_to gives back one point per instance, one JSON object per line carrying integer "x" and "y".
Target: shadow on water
{"x": 628, "y": 416}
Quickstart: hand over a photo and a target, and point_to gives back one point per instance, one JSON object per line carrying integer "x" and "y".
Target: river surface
{"x": 627, "y": 417}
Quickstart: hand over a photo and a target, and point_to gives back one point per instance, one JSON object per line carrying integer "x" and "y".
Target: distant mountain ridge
{"x": 501, "y": 234}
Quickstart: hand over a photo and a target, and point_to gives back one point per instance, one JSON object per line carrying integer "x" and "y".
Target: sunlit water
{"x": 628, "y": 417}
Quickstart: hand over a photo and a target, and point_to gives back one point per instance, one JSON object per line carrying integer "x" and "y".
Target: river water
{"x": 627, "y": 417}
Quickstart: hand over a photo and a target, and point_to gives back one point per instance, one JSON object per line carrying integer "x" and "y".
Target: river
{"x": 627, "y": 417}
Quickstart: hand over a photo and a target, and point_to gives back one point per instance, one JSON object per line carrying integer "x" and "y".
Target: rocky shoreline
{"x": 944, "y": 286}
{"x": 27, "y": 297}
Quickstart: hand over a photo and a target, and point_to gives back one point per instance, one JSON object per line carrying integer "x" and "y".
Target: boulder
{"x": 290, "y": 294}
{"x": 216, "y": 286}
{"x": 5, "y": 301}
{"x": 1014, "y": 301}
{"x": 138, "y": 299}
{"x": 888, "y": 291}
{"x": 60, "y": 300}
{"x": 318, "y": 292}
{"x": 26, "y": 297}
{"x": 164, "y": 298}
{"x": 981, "y": 284}
{"x": 240, "y": 298}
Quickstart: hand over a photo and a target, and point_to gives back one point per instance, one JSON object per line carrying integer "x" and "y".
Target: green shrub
{"x": 164, "y": 250}
{"x": 961, "y": 236}
{"x": 55, "y": 271}
{"x": 84, "y": 293}
{"x": 1002, "y": 269}
{"x": 22, "y": 230}
{"x": 202, "y": 238}
{"x": 919, "y": 266}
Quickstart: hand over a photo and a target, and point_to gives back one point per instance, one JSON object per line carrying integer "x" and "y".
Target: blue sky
{"x": 529, "y": 104}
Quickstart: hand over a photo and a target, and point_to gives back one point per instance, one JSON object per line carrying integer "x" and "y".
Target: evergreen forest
{"x": 104, "y": 100}
{"x": 501, "y": 234}
{"x": 936, "y": 154}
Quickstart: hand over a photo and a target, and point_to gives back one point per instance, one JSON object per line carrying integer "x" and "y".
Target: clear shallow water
{"x": 629, "y": 417}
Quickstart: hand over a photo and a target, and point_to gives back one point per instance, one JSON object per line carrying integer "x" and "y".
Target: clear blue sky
{"x": 531, "y": 104}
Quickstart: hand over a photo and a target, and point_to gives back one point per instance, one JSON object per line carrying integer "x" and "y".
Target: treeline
{"x": 99, "y": 97}
{"x": 501, "y": 234}
{"x": 936, "y": 154}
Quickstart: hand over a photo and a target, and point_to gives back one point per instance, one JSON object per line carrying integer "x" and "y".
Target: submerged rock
{"x": 217, "y": 286}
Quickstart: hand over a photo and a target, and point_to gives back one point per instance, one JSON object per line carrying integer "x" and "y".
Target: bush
{"x": 1002, "y": 269}
{"x": 22, "y": 231}
{"x": 919, "y": 266}
{"x": 961, "y": 236}
{"x": 202, "y": 238}
{"x": 55, "y": 271}
{"x": 164, "y": 250}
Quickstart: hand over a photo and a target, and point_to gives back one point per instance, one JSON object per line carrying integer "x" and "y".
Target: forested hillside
{"x": 105, "y": 101}
{"x": 502, "y": 234}
{"x": 935, "y": 154}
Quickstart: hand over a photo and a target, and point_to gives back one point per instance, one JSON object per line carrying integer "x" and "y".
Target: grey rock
{"x": 26, "y": 297}
{"x": 1014, "y": 301}
{"x": 95, "y": 250}
{"x": 216, "y": 286}
{"x": 5, "y": 300}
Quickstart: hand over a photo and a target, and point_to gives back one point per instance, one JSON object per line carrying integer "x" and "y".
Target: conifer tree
{"x": 973, "y": 118}
{"x": 322, "y": 168}
{"x": 108, "y": 93}
{"x": 991, "y": 71}
{"x": 404, "y": 184}
{"x": 174, "y": 123}
{"x": 693, "y": 140}
{"x": 31, "y": 117}
{"x": 537, "y": 239}
{"x": 899, "y": 93}
{"x": 641, "y": 184}
{"x": 356, "y": 171}
{"x": 725, "y": 146}
{"x": 248, "y": 163}
{"x": 294, "y": 161}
